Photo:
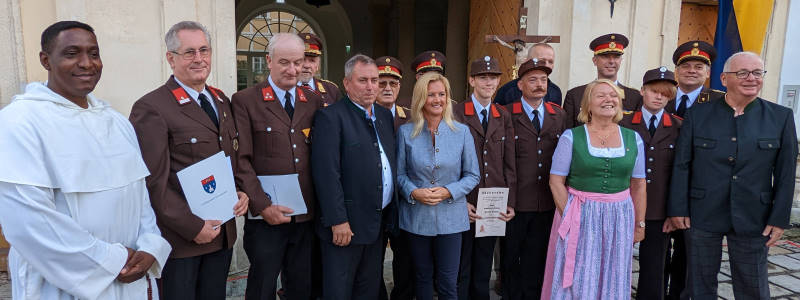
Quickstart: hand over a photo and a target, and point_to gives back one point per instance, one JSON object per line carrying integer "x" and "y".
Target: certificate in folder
{"x": 209, "y": 188}
{"x": 284, "y": 190}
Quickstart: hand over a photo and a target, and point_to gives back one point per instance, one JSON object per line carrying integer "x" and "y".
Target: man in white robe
{"x": 73, "y": 200}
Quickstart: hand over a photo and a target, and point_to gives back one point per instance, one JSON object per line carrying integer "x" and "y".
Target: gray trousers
{"x": 748, "y": 259}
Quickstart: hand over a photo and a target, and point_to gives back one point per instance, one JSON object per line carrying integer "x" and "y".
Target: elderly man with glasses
{"x": 733, "y": 178}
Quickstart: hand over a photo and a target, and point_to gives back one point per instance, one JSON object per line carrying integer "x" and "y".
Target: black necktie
{"x": 484, "y": 121}
{"x": 287, "y": 105}
{"x": 208, "y": 109}
{"x": 652, "y": 125}
{"x": 682, "y": 106}
{"x": 536, "y": 120}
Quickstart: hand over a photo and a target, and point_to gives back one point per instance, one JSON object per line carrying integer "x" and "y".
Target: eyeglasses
{"x": 743, "y": 74}
{"x": 191, "y": 54}
{"x": 394, "y": 84}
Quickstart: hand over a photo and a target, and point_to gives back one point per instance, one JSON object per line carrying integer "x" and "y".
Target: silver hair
{"x": 171, "y": 38}
{"x": 282, "y": 37}
{"x": 353, "y": 61}
{"x": 727, "y": 66}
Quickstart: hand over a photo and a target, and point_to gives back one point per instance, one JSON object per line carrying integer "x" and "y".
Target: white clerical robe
{"x": 72, "y": 198}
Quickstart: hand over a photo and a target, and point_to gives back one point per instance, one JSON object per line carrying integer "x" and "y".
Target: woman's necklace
{"x": 603, "y": 138}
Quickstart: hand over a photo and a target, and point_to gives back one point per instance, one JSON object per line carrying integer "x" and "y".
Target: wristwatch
{"x": 641, "y": 224}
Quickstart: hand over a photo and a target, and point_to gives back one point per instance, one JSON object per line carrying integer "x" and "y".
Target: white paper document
{"x": 209, "y": 187}
{"x": 284, "y": 190}
{"x": 491, "y": 202}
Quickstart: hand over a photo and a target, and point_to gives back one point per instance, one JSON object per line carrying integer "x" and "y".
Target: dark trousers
{"x": 475, "y": 269}
{"x": 675, "y": 266}
{"x": 197, "y": 277}
{"x": 748, "y": 259}
{"x": 402, "y": 268}
{"x": 652, "y": 257}
{"x": 526, "y": 254}
{"x": 442, "y": 252}
{"x": 272, "y": 248}
{"x": 351, "y": 272}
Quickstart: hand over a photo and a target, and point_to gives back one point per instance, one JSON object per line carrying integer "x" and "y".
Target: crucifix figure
{"x": 520, "y": 45}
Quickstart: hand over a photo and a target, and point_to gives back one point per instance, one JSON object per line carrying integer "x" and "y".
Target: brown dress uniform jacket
{"x": 495, "y": 148}
{"x": 706, "y": 95}
{"x": 326, "y": 90}
{"x": 174, "y": 133}
{"x": 659, "y": 154}
{"x": 534, "y": 156}
{"x": 572, "y": 103}
{"x": 272, "y": 144}
{"x": 401, "y": 116}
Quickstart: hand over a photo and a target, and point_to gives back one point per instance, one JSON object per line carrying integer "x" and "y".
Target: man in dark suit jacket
{"x": 734, "y": 177}
{"x": 354, "y": 167}
{"x": 608, "y": 50}
{"x": 658, "y": 130}
{"x": 510, "y": 93}
{"x": 178, "y": 124}
{"x": 274, "y": 120}
{"x": 537, "y": 127}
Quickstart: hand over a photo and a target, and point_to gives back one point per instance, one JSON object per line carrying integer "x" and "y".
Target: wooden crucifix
{"x": 520, "y": 43}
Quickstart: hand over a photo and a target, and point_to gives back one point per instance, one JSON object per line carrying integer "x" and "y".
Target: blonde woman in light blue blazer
{"x": 437, "y": 167}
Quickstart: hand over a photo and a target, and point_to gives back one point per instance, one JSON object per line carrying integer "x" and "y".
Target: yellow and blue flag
{"x": 741, "y": 26}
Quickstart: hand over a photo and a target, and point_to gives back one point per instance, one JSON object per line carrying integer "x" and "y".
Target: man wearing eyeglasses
{"x": 733, "y": 178}
{"x": 693, "y": 66}
{"x": 327, "y": 90}
{"x": 178, "y": 124}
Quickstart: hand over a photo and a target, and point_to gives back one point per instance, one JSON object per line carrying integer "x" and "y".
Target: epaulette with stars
{"x": 331, "y": 82}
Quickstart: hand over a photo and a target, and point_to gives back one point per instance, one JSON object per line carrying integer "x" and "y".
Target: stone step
{"x": 4, "y": 260}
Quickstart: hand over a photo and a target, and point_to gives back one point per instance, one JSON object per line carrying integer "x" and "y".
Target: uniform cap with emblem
{"x": 694, "y": 50}
{"x": 431, "y": 60}
{"x": 391, "y": 66}
{"x": 659, "y": 74}
{"x": 313, "y": 44}
{"x": 533, "y": 64}
{"x": 609, "y": 43}
{"x": 485, "y": 65}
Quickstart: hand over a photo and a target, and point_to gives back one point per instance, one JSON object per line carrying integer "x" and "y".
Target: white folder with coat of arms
{"x": 209, "y": 187}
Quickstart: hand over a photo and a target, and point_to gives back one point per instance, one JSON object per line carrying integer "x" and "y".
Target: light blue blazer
{"x": 452, "y": 163}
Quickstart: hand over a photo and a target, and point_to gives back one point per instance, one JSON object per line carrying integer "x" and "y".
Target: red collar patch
{"x": 637, "y": 118}
{"x": 516, "y": 107}
{"x": 181, "y": 96}
{"x": 300, "y": 95}
{"x": 549, "y": 107}
{"x": 268, "y": 94}
{"x": 667, "y": 121}
{"x": 469, "y": 109}
{"x": 495, "y": 113}
{"x": 215, "y": 92}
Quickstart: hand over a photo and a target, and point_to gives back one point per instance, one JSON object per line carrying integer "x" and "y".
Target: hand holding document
{"x": 284, "y": 190}
{"x": 209, "y": 188}
{"x": 491, "y": 202}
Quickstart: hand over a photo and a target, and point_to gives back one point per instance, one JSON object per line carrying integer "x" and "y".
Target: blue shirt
{"x": 529, "y": 111}
{"x": 692, "y": 97}
{"x": 280, "y": 94}
{"x": 646, "y": 115}
{"x": 479, "y": 108}
{"x": 386, "y": 172}
{"x": 194, "y": 94}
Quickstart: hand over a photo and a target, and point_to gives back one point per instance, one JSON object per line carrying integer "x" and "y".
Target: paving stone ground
{"x": 784, "y": 274}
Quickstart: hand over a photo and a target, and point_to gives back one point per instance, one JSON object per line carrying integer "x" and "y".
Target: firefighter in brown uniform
{"x": 274, "y": 120}
{"x": 659, "y": 130}
{"x": 608, "y": 50}
{"x": 390, "y": 72}
{"x": 492, "y": 132}
{"x": 692, "y": 67}
{"x": 179, "y": 124}
{"x": 327, "y": 90}
{"x": 537, "y": 127}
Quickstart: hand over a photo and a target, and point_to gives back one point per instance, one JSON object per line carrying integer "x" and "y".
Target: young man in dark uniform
{"x": 537, "y": 126}
{"x": 492, "y": 132}
{"x": 608, "y": 50}
{"x": 659, "y": 130}
{"x": 327, "y": 90}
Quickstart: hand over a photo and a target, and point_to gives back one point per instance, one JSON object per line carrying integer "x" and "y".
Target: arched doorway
{"x": 253, "y": 39}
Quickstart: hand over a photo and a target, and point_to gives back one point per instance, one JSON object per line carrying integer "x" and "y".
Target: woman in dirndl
{"x": 598, "y": 185}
